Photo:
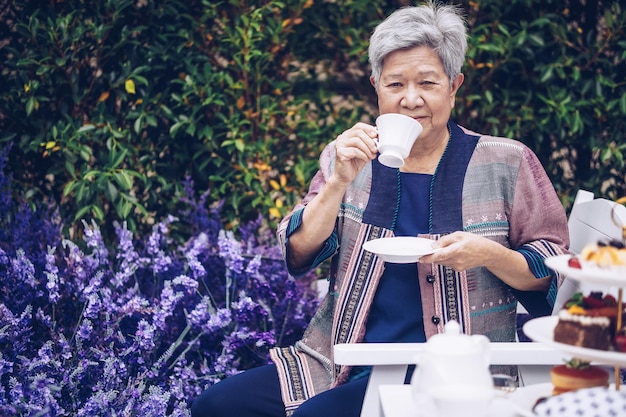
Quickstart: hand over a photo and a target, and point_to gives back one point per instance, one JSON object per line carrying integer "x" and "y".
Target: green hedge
{"x": 112, "y": 105}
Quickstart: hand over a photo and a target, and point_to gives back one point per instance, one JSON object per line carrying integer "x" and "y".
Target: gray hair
{"x": 440, "y": 27}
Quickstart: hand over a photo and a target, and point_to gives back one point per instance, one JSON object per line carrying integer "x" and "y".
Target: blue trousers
{"x": 256, "y": 393}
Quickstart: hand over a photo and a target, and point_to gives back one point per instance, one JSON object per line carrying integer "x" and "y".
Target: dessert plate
{"x": 400, "y": 249}
{"x": 587, "y": 273}
{"x": 542, "y": 330}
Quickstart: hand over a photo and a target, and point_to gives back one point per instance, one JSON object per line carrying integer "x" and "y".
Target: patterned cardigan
{"x": 494, "y": 187}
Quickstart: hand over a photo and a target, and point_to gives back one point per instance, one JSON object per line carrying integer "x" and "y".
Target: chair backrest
{"x": 590, "y": 220}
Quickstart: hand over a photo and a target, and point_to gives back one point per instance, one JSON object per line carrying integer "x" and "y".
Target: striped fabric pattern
{"x": 295, "y": 387}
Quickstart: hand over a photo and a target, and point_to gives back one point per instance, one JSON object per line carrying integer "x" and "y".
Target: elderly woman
{"x": 486, "y": 201}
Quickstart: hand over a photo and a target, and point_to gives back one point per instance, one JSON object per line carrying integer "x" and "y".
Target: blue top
{"x": 396, "y": 312}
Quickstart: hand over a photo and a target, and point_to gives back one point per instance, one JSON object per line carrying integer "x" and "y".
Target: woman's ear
{"x": 456, "y": 84}
{"x": 458, "y": 81}
{"x": 372, "y": 81}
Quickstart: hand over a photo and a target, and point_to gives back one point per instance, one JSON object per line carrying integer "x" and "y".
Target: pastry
{"x": 587, "y": 321}
{"x": 610, "y": 255}
{"x": 577, "y": 374}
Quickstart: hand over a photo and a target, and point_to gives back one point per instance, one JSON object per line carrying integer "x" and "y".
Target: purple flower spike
{"x": 140, "y": 327}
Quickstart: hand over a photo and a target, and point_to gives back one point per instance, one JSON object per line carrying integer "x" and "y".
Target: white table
{"x": 396, "y": 401}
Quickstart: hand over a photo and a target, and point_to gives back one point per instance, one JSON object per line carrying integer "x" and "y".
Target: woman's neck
{"x": 425, "y": 157}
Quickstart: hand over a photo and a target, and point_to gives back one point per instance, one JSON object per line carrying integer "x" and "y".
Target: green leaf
{"x": 30, "y": 105}
{"x": 124, "y": 180}
{"x": 489, "y": 96}
{"x": 69, "y": 187}
{"x": 536, "y": 40}
{"x": 605, "y": 154}
{"x": 80, "y": 214}
{"x": 69, "y": 167}
{"x": 97, "y": 212}
{"x": 547, "y": 74}
{"x": 85, "y": 153}
{"x": 91, "y": 174}
{"x": 117, "y": 133}
{"x": 137, "y": 126}
{"x": 112, "y": 191}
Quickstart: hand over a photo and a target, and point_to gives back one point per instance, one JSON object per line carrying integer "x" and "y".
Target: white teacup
{"x": 461, "y": 400}
{"x": 396, "y": 135}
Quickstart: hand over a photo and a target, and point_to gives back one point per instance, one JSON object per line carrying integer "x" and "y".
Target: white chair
{"x": 589, "y": 221}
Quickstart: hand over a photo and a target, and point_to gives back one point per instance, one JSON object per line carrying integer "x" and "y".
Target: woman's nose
{"x": 412, "y": 98}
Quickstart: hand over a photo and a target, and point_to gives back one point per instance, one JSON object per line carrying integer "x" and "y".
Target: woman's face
{"x": 414, "y": 83}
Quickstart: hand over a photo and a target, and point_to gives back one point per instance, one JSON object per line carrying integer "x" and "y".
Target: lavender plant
{"x": 140, "y": 327}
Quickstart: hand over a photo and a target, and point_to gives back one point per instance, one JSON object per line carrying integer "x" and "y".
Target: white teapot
{"x": 452, "y": 358}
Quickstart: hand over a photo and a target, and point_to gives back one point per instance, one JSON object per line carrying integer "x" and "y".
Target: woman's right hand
{"x": 355, "y": 147}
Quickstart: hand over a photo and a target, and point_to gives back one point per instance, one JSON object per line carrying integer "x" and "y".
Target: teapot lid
{"x": 452, "y": 340}
{"x": 452, "y": 327}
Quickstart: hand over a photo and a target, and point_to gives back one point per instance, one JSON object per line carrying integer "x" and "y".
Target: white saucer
{"x": 400, "y": 249}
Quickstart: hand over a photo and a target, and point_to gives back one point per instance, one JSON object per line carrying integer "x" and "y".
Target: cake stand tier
{"x": 593, "y": 275}
{"x": 542, "y": 330}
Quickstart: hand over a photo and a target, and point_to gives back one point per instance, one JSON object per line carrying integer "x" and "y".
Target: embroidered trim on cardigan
{"x": 354, "y": 295}
{"x": 294, "y": 387}
{"x": 452, "y": 293}
{"x": 362, "y": 263}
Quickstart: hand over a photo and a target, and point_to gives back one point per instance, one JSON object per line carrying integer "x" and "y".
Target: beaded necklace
{"x": 430, "y": 192}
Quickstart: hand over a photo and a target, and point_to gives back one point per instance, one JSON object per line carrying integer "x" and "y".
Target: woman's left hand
{"x": 463, "y": 250}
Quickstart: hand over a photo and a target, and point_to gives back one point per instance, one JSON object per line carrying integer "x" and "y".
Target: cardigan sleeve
{"x": 328, "y": 248}
{"x": 538, "y": 229}
{"x": 293, "y": 220}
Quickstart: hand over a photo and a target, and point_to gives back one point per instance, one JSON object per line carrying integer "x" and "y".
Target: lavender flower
{"x": 16, "y": 391}
{"x": 24, "y": 269}
{"x": 159, "y": 259}
{"x": 221, "y": 319}
{"x": 144, "y": 336}
{"x": 99, "y": 404}
{"x": 94, "y": 284}
{"x": 52, "y": 273}
{"x": 6, "y": 367}
{"x": 199, "y": 316}
{"x": 230, "y": 250}
{"x": 94, "y": 306}
{"x": 254, "y": 265}
{"x": 154, "y": 403}
{"x": 189, "y": 284}
{"x": 85, "y": 329}
{"x": 143, "y": 327}
{"x": 126, "y": 254}
{"x": 93, "y": 239}
{"x": 196, "y": 267}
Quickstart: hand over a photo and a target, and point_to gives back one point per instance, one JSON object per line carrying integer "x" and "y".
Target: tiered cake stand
{"x": 542, "y": 329}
